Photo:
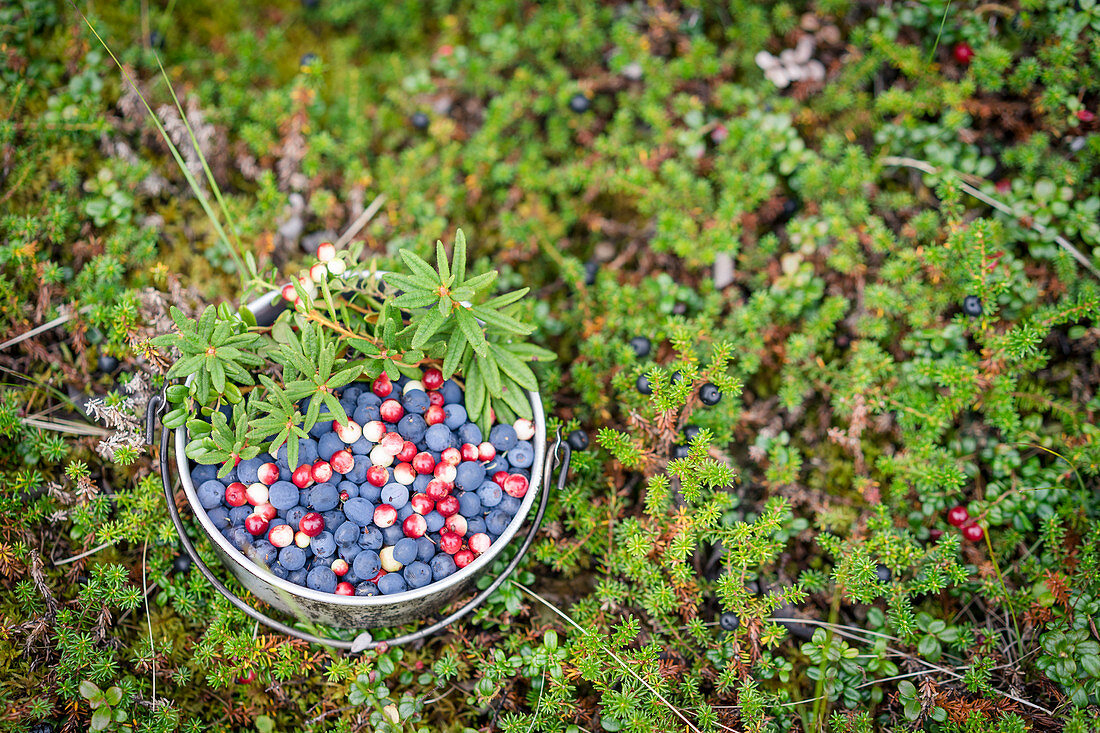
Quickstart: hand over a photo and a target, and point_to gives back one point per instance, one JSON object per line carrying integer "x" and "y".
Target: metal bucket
{"x": 354, "y": 612}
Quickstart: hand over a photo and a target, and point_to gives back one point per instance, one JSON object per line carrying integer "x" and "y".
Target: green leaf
{"x": 474, "y": 334}
{"x": 513, "y": 395}
{"x": 415, "y": 299}
{"x": 515, "y": 368}
{"x": 101, "y": 718}
{"x": 456, "y": 350}
{"x": 89, "y": 689}
{"x": 420, "y": 269}
{"x": 429, "y": 324}
{"x": 458, "y": 262}
{"x": 409, "y": 284}
{"x": 481, "y": 282}
{"x": 506, "y": 299}
{"x": 489, "y": 369}
{"x": 113, "y": 695}
{"x": 441, "y": 262}
{"x": 501, "y": 320}
{"x": 475, "y": 390}
{"x": 530, "y": 352}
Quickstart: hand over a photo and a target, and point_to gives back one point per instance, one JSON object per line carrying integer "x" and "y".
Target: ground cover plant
{"x": 821, "y": 284}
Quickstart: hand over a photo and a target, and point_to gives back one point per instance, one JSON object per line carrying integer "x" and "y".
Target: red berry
{"x": 281, "y": 535}
{"x": 344, "y": 496}
{"x": 963, "y": 53}
{"x": 1085, "y": 115}
{"x": 437, "y": 489}
{"x": 516, "y": 485}
{"x": 236, "y": 494}
{"x": 447, "y": 506}
{"x": 268, "y": 473}
{"x": 255, "y": 524}
{"x": 432, "y": 379}
{"x": 348, "y": 433}
{"x": 434, "y": 415}
{"x": 450, "y": 543}
{"x": 407, "y": 452}
{"x": 289, "y": 293}
{"x": 384, "y": 515}
{"x": 378, "y": 476}
{"x": 935, "y": 534}
{"x": 486, "y": 451}
{"x": 445, "y": 472}
{"x": 256, "y": 494}
{"x": 382, "y": 386}
{"x": 500, "y": 477}
{"x": 463, "y": 558}
{"x": 302, "y": 476}
{"x": 479, "y": 542}
{"x": 342, "y": 461}
{"x": 266, "y": 511}
{"x": 374, "y": 430}
{"x": 1004, "y": 186}
{"x": 452, "y": 456}
{"x": 392, "y": 443}
{"x": 423, "y": 462}
{"x": 456, "y": 523}
{"x": 247, "y": 677}
{"x": 322, "y": 471}
{"x": 973, "y": 532}
{"x": 422, "y": 503}
{"x": 435, "y": 399}
{"x": 470, "y": 452}
{"x": 391, "y": 411}
{"x": 339, "y": 566}
{"x": 377, "y": 577}
{"x": 344, "y": 588}
{"x": 326, "y": 251}
{"x": 404, "y": 473}
{"x": 958, "y": 516}
{"x": 312, "y": 524}
{"x": 301, "y": 539}
{"x": 414, "y": 526}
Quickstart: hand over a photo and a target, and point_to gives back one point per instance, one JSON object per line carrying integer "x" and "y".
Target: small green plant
{"x": 106, "y": 713}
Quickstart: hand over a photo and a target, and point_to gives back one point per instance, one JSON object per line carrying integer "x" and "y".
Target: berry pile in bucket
{"x": 403, "y": 494}
{"x": 374, "y": 438}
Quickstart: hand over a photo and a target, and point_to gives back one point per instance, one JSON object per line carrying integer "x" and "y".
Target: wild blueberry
{"x": 435, "y": 521}
{"x": 509, "y": 504}
{"x": 323, "y": 498}
{"x": 368, "y": 399}
{"x": 367, "y": 413}
{"x": 348, "y": 487}
{"x": 358, "y": 472}
{"x": 425, "y": 549}
{"x": 579, "y": 103}
{"x": 298, "y": 577}
{"x": 404, "y": 550}
{"x": 283, "y": 495}
{"x": 294, "y": 515}
{"x": 729, "y": 621}
{"x": 412, "y": 427}
{"x": 182, "y": 563}
{"x": 321, "y": 579}
{"x": 454, "y": 416}
{"x": 442, "y": 565}
{"x": 404, "y": 512}
{"x": 417, "y": 574}
{"x": 41, "y": 727}
{"x": 348, "y": 553}
{"x": 680, "y": 451}
{"x": 361, "y": 447}
{"x": 371, "y": 539}
{"x": 347, "y": 533}
{"x": 972, "y": 306}
{"x": 263, "y": 552}
{"x": 279, "y": 571}
{"x": 709, "y": 394}
{"x": 521, "y": 454}
{"x": 328, "y": 444}
{"x": 366, "y": 588}
{"x": 391, "y": 583}
{"x": 469, "y": 433}
{"x": 503, "y": 437}
{"x": 690, "y": 431}
{"x": 367, "y": 564}
{"x": 307, "y": 59}
{"x": 204, "y": 472}
{"x": 451, "y": 391}
{"x": 392, "y": 534}
{"x": 211, "y": 494}
{"x": 420, "y": 121}
{"x": 468, "y": 503}
{"x": 292, "y": 557}
{"x": 578, "y": 440}
{"x": 642, "y": 385}
{"x": 438, "y": 437}
{"x": 220, "y": 517}
{"x": 490, "y": 493}
{"x": 416, "y": 401}
{"x": 497, "y": 521}
{"x": 883, "y": 573}
{"x": 469, "y": 475}
{"x": 323, "y": 426}
{"x": 420, "y": 483}
{"x": 395, "y": 494}
{"x": 323, "y": 545}
{"x": 106, "y": 363}
{"x": 359, "y": 510}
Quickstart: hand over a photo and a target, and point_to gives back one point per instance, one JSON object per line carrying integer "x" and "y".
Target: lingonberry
{"x": 281, "y": 535}
{"x": 348, "y": 433}
{"x": 404, "y": 473}
{"x": 958, "y": 516}
{"x": 447, "y": 505}
{"x": 434, "y": 415}
{"x": 445, "y": 472}
{"x": 414, "y": 525}
{"x": 516, "y": 485}
{"x": 321, "y": 471}
{"x": 318, "y": 272}
{"x": 326, "y": 251}
{"x": 268, "y": 473}
{"x": 302, "y": 476}
{"x": 407, "y": 452}
{"x": 236, "y": 494}
{"x": 525, "y": 429}
{"x": 463, "y": 558}
{"x": 301, "y": 539}
{"x": 435, "y": 399}
{"x": 452, "y": 456}
{"x": 963, "y": 53}
{"x": 500, "y": 477}
{"x": 339, "y": 566}
{"x": 391, "y": 411}
{"x": 266, "y": 511}
{"x": 432, "y": 379}
{"x": 423, "y": 462}
{"x": 255, "y": 524}
{"x": 378, "y": 476}
{"x": 312, "y": 524}
{"x": 456, "y": 523}
{"x": 289, "y": 293}
{"x": 382, "y": 386}
{"x": 256, "y": 494}
{"x": 450, "y": 543}
{"x": 479, "y": 542}
{"x": 973, "y": 532}
{"x": 392, "y": 443}
{"x": 344, "y": 588}
{"x": 337, "y": 267}
{"x": 709, "y": 394}
{"x": 1085, "y": 115}
{"x": 469, "y": 452}
{"x": 422, "y": 503}
{"x": 389, "y": 562}
{"x": 342, "y": 461}
{"x": 374, "y": 430}
{"x": 384, "y": 516}
{"x": 486, "y": 451}
{"x": 437, "y": 489}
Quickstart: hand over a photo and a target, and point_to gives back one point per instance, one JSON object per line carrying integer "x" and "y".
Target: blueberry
{"x": 361, "y": 447}
{"x": 348, "y": 487}
{"x": 439, "y": 437}
{"x": 643, "y": 385}
{"x": 347, "y": 533}
{"x": 208, "y": 472}
{"x": 469, "y": 433}
{"x": 292, "y": 557}
{"x": 358, "y": 472}
{"x": 404, "y": 550}
{"x": 454, "y": 416}
{"x": 499, "y": 463}
{"x": 328, "y": 444}
{"x": 709, "y": 394}
{"x": 238, "y": 514}
{"x": 106, "y": 363}
{"x": 350, "y": 576}
{"x": 367, "y": 564}
{"x": 359, "y": 510}
{"x": 391, "y": 534}
{"x": 412, "y": 427}
{"x": 366, "y": 588}
{"x": 469, "y": 475}
{"x": 283, "y": 495}
{"x": 248, "y": 470}
{"x": 307, "y": 59}
{"x": 323, "y": 497}
{"x": 425, "y": 549}
{"x": 434, "y": 520}
{"x": 883, "y": 573}
{"x": 416, "y": 401}
{"x": 690, "y": 431}
{"x": 220, "y": 517}
{"x": 641, "y": 347}
{"x": 729, "y": 621}
{"x": 451, "y": 392}
{"x": 680, "y": 451}
{"x": 489, "y": 493}
{"x": 469, "y": 504}
{"x": 503, "y": 437}
{"x": 334, "y": 518}
{"x": 420, "y": 121}
{"x": 278, "y": 571}
{"x": 497, "y": 521}
{"x": 321, "y": 579}
{"x": 366, "y": 413}
{"x": 371, "y": 539}
{"x": 421, "y": 482}
{"x": 370, "y": 492}
{"x": 522, "y": 455}
{"x": 351, "y": 393}
{"x": 391, "y": 583}
{"x": 303, "y": 497}
{"x": 298, "y": 577}
{"x": 578, "y": 440}
{"x": 972, "y": 306}
{"x": 591, "y": 268}
{"x": 395, "y": 494}
{"x": 348, "y": 553}
{"x": 182, "y": 563}
{"x": 368, "y": 399}
{"x": 323, "y": 545}
{"x": 442, "y": 565}
{"x": 263, "y": 552}
{"x": 211, "y": 494}
{"x": 417, "y": 574}
{"x": 475, "y": 525}
{"x": 294, "y": 515}
{"x": 404, "y": 512}
{"x": 322, "y": 426}
{"x": 790, "y": 208}
{"x": 509, "y": 504}
{"x": 579, "y": 103}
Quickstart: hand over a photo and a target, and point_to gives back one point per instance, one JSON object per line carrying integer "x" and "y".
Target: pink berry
{"x": 463, "y": 558}
{"x": 456, "y": 523}
{"x": 486, "y": 451}
{"x": 525, "y": 429}
{"x": 1085, "y": 115}
{"x": 268, "y": 473}
{"x": 448, "y": 505}
{"x": 326, "y": 251}
{"x": 391, "y": 411}
{"x": 312, "y": 524}
{"x": 382, "y": 386}
{"x": 935, "y": 534}
{"x": 342, "y": 461}
{"x": 348, "y": 433}
{"x": 377, "y": 576}
{"x": 435, "y": 398}
{"x": 302, "y": 476}
{"x": 423, "y": 462}
{"x": 500, "y": 477}
{"x": 339, "y": 566}
{"x": 392, "y": 443}
{"x": 452, "y": 456}
{"x": 422, "y": 503}
{"x": 973, "y": 532}
{"x": 289, "y": 293}
{"x": 322, "y": 471}
{"x": 469, "y": 452}
{"x": 1004, "y": 186}
{"x": 450, "y": 543}
{"x": 344, "y": 588}
{"x": 479, "y": 542}
{"x": 414, "y": 526}
{"x": 236, "y": 494}
{"x": 403, "y": 473}
{"x": 963, "y": 53}
{"x": 344, "y": 496}
{"x": 281, "y": 535}
{"x": 384, "y": 516}
{"x": 247, "y": 678}
{"x": 256, "y": 493}
{"x": 445, "y": 472}
{"x": 255, "y": 524}
{"x": 318, "y": 272}
{"x": 266, "y": 511}
{"x": 378, "y": 476}
{"x": 374, "y": 430}
{"x": 516, "y": 485}
{"x": 434, "y": 415}
{"x": 432, "y": 379}
{"x": 407, "y": 452}
{"x": 437, "y": 489}
{"x": 301, "y": 539}
{"x": 958, "y": 516}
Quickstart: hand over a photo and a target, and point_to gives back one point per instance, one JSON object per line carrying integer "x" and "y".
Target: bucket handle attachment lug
{"x": 556, "y": 458}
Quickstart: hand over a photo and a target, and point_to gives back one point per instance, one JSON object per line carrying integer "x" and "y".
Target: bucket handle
{"x": 557, "y": 457}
